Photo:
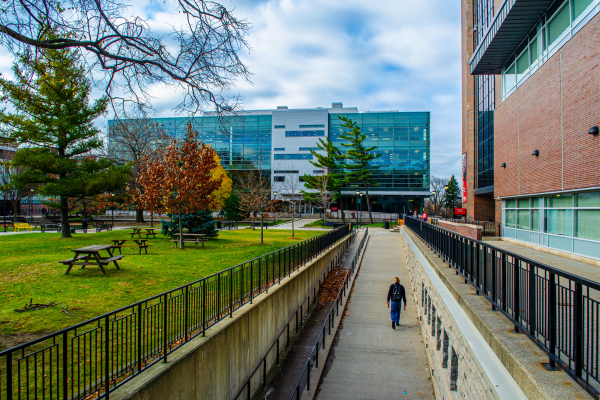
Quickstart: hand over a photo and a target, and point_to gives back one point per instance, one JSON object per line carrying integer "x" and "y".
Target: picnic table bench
{"x": 106, "y": 227}
{"x": 227, "y": 225}
{"x": 140, "y": 243}
{"x": 138, "y": 231}
{"x": 195, "y": 238}
{"x": 90, "y": 255}
{"x": 50, "y": 227}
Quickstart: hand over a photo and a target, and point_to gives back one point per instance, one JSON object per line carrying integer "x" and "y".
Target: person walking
{"x": 396, "y": 294}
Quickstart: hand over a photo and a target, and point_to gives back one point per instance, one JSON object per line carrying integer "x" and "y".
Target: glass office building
{"x": 279, "y": 141}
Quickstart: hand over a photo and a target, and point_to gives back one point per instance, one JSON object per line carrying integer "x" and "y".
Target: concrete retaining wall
{"x": 216, "y": 366}
{"x": 468, "y": 230}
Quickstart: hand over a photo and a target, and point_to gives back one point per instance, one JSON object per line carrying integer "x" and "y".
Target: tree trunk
{"x": 15, "y": 210}
{"x": 342, "y": 210}
{"x": 261, "y": 228}
{"x": 180, "y": 228}
{"x": 368, "y": 203}
{"x": 64, "y": 218}
{"x": 139, "y": 216}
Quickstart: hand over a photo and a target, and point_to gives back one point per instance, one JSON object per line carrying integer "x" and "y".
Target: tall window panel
{"x": 484, "y": 100}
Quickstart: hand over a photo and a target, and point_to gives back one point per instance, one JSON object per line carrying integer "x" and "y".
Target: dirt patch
{"x": 331, "y": 287}
{"x": 10, "y": 341}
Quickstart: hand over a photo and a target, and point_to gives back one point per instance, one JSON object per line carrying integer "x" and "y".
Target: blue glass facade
{"x": 402, "y": 139}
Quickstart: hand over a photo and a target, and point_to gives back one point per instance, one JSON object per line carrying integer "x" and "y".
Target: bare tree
{"x": 13, "y": 191}
{"x": 323, "y": 196}
{"x": 255, "y": 195}
{"x": 438, "y": 192}
{"x": 126, "y": 56}
{"x": 290, "y": 190}
{"x": 130, "y": 141}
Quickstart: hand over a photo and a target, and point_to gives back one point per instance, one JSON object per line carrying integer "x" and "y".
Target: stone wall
{"x": 471, "y": 231}
{"x": 455, "y": 371}
{"x": 217, "y": 366}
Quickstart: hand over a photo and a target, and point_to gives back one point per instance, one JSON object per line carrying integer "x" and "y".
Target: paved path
{"x": 373, "y": 361}
{"x": 571, "y": 266}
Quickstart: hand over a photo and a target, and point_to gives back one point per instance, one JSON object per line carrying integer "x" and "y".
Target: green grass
{"x": 29, "y": 269}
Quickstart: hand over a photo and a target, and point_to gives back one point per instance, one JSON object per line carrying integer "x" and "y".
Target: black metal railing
{"x": 93, "y": 358}
{"x": 303, "y": 382}
{"x": 559, "y": 311}
{"x": 276, "y": 351}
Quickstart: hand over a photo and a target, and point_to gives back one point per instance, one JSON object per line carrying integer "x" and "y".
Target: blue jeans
{"x": 396, "y": 309}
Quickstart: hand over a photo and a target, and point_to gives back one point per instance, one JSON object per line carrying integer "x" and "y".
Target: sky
{"x": 377, "y": 55}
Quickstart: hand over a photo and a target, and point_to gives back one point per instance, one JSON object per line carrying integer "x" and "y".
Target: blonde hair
{"x": 396, "y": 279}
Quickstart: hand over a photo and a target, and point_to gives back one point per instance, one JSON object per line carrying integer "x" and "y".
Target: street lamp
{"x": 113, "y": 210}
{"x": 433, "y": 193}
{"x": 357, "y": 201}
{"x": 30, "y": 216}
{"x": 274, "y": 211}
{"x": 4, "y": 210}
{"x": 446, "y": 205}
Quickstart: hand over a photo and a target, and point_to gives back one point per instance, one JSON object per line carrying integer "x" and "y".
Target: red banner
{"x": 334, "y": 208}
{"x": 460, "y": 211}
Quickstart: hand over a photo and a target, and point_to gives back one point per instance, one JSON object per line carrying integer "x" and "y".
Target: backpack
{"x": 397, "y": 293}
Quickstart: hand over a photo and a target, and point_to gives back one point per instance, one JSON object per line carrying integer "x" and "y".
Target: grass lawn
{"x": 29, "y": 269}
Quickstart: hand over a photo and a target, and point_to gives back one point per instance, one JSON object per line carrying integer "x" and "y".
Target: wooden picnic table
{"x": 140, "y": 243}
{"x": 90, "y": 255}
{"x": 191, "y": 238}
{"x": 138, "y": 231}
{"x": 227, "y": 225}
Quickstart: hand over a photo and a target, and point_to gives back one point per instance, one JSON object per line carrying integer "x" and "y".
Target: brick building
{"x": 531, "y": 111}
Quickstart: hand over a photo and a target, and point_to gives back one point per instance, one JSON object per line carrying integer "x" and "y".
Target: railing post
{"x": 516, "y": 299}
{"x": 251, "y": 280}
{"x": 106, "y": 360}
{"x": 204, "y": 307}
{"x": 551, "y": 319}
{"x": 308, "y": 376}
{"x": 165, "y": 326}
{"x": 139, "y": 336}
{"x": 578, "y": 330}
{"x": 485, "y": 269}
{"x": 532, "y": 286}
{"x": 504, "y": 281}
{"x": 187, "y": 311}
{"x": 231, "y": 293}
{"x": 65, "y": 364}
{"x": 494, "y": 256}
{"x": 219, "y": 307}
{"x": 9, "y": 382}
{"x": 277, "y": 359}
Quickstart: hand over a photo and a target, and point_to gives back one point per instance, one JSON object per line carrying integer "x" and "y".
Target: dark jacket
{"x": 391, "y": 291}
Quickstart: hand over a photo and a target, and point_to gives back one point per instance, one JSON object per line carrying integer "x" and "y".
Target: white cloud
{"x": 379, "y": 55}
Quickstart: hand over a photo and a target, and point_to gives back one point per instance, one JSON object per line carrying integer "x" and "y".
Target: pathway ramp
{"x": 371, "y": 360}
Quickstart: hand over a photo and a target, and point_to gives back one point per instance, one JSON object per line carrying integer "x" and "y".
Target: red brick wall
{"x": 552, "y": 112}
{"x": 471, "y": 231}
{"x": 468, "y": 122}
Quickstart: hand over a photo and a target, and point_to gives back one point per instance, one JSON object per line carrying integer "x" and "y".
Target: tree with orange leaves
{"x": 178, "y": 178}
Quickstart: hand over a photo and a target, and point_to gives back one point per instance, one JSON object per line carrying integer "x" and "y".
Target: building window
{"x": 312, "y": 126}
{"x": 309, "y": 148}
{"x": 453, "y": 370}
{"x": 279, "y": 178}
{"x": 307, "y": 156}
{"x": 445, "y": 346}
{"x": 279, "y": 127}
{"x": 510, "y": 219}
{"x": 548, "y": 33}
{"x": 286, "y": 171}
{"x": 279, "y": 149}
{"x": 318, "y": 171}
{"x": 304, "y": 133}
{"x": 439, "y": 334}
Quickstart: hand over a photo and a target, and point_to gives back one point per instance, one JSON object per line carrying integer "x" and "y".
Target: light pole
{"x": 446, "y": 195}
{"x": 4, "y": 210}
{"x": 113, "y": 210}
{"x": 30, "y": 216}
{"x": 360, "y": 202}
{"x": 357, "y": 201}
{"x": 274, "y": 211}
{"x": 433, "y": 193}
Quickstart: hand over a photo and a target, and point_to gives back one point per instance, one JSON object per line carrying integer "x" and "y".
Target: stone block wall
{"x": 471, "y": 231}
{"x": 455, "y": 371}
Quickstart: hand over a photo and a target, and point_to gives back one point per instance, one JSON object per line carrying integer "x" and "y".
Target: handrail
{"x": 559, "y": 311}
{"x": 95, "y": 357}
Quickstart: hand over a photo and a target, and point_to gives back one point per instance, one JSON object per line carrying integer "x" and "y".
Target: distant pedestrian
{"x": 396, "y": 294}
{"x": 424, "y": 216}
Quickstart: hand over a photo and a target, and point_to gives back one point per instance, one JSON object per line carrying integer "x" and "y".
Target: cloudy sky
{"x": 375, "y": 55}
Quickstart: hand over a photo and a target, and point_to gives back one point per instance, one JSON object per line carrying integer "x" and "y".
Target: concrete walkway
{"x": 371, "y": 360}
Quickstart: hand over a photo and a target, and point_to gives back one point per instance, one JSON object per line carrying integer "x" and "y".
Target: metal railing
{"x": 93, "y": 358}
{"x": 489, "y": 228}
{"x": 274, "y": 353}
{"x": 559, "y": 311}
{"x": 327, "y": 325}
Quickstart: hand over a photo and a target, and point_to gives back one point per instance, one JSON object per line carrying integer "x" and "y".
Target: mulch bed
{"x": 331, "y": 287}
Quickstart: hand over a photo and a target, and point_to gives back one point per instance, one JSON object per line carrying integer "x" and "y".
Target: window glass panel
{"x": 279, "y": 179}
{"x": 587, "y": 224}
{"x": 560, "y": 222}
{"x": 523, "y": 203}
{"x": 523, "y": 219}
{"x": 511, "y": 203}
{"x": 558, "y": 25}
{"x": 535, "y": 226}
{"x": 557, "y": 201}
{"x": 279, "y": 149}
{"x": 522, "y": 64}
{"x": 588, "y": 199}
{"x": 510, "y": 80}
{"x": 534, "y": 49}
{"x": 279, "y": 127}
{"x": 579, "y": 6}
{"x": 510, "y": 218}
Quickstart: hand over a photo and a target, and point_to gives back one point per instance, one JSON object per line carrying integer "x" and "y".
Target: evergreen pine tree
{"x": 53, "y": 117}
{"x": 358, "y": 158}
{"x": 196, "y": 222}
{"x": 452, "y": 193}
